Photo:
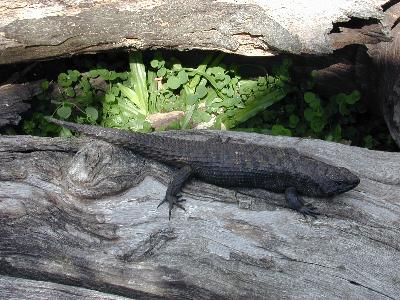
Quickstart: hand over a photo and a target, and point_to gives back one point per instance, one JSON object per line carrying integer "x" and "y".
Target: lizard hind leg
{"x": 174, "y": 188}
{"x": 295, "y": 202}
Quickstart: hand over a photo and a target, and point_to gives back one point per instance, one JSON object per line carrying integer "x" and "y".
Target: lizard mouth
{"x": 344, "y": 187}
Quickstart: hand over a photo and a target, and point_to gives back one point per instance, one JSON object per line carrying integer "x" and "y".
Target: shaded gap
{"x": 354, "y": 23}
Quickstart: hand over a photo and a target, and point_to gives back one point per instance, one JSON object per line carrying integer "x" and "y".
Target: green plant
{"x": 211, "y": 95}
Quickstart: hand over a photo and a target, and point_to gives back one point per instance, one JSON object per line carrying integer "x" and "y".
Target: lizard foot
{"x": 308, "y": 210}
{"x": 295, "y": 202}
{"x": 172, "y": 201}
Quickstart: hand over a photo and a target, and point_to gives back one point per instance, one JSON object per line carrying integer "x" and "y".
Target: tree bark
{"x": 12, "y": 97}
{"x": 384, "y": 71}
{"x": 78, "y": 217}
{"x": 34, "y": 29}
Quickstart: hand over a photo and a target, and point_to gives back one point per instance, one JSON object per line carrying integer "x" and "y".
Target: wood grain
{"x": 82, "y": 214}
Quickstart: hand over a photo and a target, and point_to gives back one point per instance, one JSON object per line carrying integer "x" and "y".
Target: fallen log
{"x": 45, "y": 29}
{"x": 78, "y": 213}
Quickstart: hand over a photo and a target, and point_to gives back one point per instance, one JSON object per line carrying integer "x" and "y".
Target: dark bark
{"x": 13, "y": 99}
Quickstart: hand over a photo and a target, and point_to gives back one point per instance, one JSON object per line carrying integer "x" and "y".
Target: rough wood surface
{"x": 12, "y": 97}
{"x": 84, "y": 223}
{"x": 37, "y": 29}
{"x": 384, "y": 71}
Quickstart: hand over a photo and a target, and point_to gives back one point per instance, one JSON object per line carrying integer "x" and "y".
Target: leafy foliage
{"x": 211, "y": 93}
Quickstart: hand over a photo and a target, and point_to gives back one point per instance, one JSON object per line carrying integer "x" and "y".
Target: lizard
{"x": 230, "y": 164}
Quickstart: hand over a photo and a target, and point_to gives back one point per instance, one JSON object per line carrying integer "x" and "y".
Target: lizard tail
{"x": 115, "y": 136}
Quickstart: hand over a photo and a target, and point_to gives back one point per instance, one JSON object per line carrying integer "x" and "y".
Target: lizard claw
{"x": 172, "y": 201}
{"x": 308, "y": 210}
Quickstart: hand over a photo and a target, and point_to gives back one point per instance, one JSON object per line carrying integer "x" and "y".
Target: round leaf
{"x": 92, "y": 113}
{"x": 161, "y": 72}
{"x": 173, "y": 82}
{"x": 154, "y": 63}
{"x": 64, "y": 80}
{"x": 64, "y": 112}
{"x": 201, "y": 91}
{"x": 109, "y": 98}
{"x": 183, "y": 77}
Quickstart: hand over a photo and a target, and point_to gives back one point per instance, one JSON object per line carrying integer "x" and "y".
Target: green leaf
{"x": 200, "y": 70}
{"x": 312, "y": 100}
{"x": 177, "y": 66}
{"x": 115, "y": 90}
{"x": 44, "y": 85}
{"x": 192, "y": 99}
{"x": 92, "y": 113}
{"x": 369, "y": 142}
{"x": 93, "y": 73}
{"x": 343, "y": 110}
{"x": 309, "y": 114}
{"x": 161, "y": 72}
{"x": 173, "y": 82}
{"x": 64, "y": 112}
{"x": 353, "y": 97}
{"x": 262, "y": 81}
{"x": 293, "y": 121}
{"x": 104, "y": 73}
{"x": 290, "y": 108}
{"x": 201, "y": 91}
{"x": 254, "y": 107}
{"x": 246, "y": 86}
{"x": 128, "y": 109}
{"x": 337, "y": 133}
{"x": 73, "y": 75}
{"x": 139, "y": 80}
{"x": 200, "y": 116}
{"x": 229, "y": 92}
{"x": 65, "y": 132}
{"x": 109, "y": 98}
{"x": 154, "y": 63}
{"x": 183, "y": 77}
{"x": 317, "y": 124}
{"x": 69, "y": 91}
{"x": 314, "y": 73}
{"x": 64, "y": 80}
{"x": 113, "y": 75}
{"x": 85, "y": 85}
{"x": 280, "y": 130}
{"x": 133, "y": 97}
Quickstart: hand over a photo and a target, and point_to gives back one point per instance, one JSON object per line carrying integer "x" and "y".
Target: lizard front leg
{"x": 295, "y": 202}
{"x": 174, "y": 188}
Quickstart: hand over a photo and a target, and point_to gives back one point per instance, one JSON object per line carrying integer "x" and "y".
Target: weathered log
{"x": 19, "y": 288}
{"x": 385, "y": 74}
{"x": 43, "y": 29}
{"x": 12, "y": 97}
{"x": 88, "y": 219}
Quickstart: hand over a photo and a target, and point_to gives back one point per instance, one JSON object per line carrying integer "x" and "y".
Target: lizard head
{"x": 337, "y": 180}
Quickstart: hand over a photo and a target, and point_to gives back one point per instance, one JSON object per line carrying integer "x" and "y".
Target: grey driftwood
{"x": 35, "y": 29}
{"x": 78, "y": 219}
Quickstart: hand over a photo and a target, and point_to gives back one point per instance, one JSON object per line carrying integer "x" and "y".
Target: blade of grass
{"x": 152, "y": 84}
{"x": 252, "y": 108}
{"x": 139, "y": 81}
{"x": 133, "y": 97}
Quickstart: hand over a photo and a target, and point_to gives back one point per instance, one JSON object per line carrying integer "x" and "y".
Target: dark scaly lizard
{"x": 282, "y": 170}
